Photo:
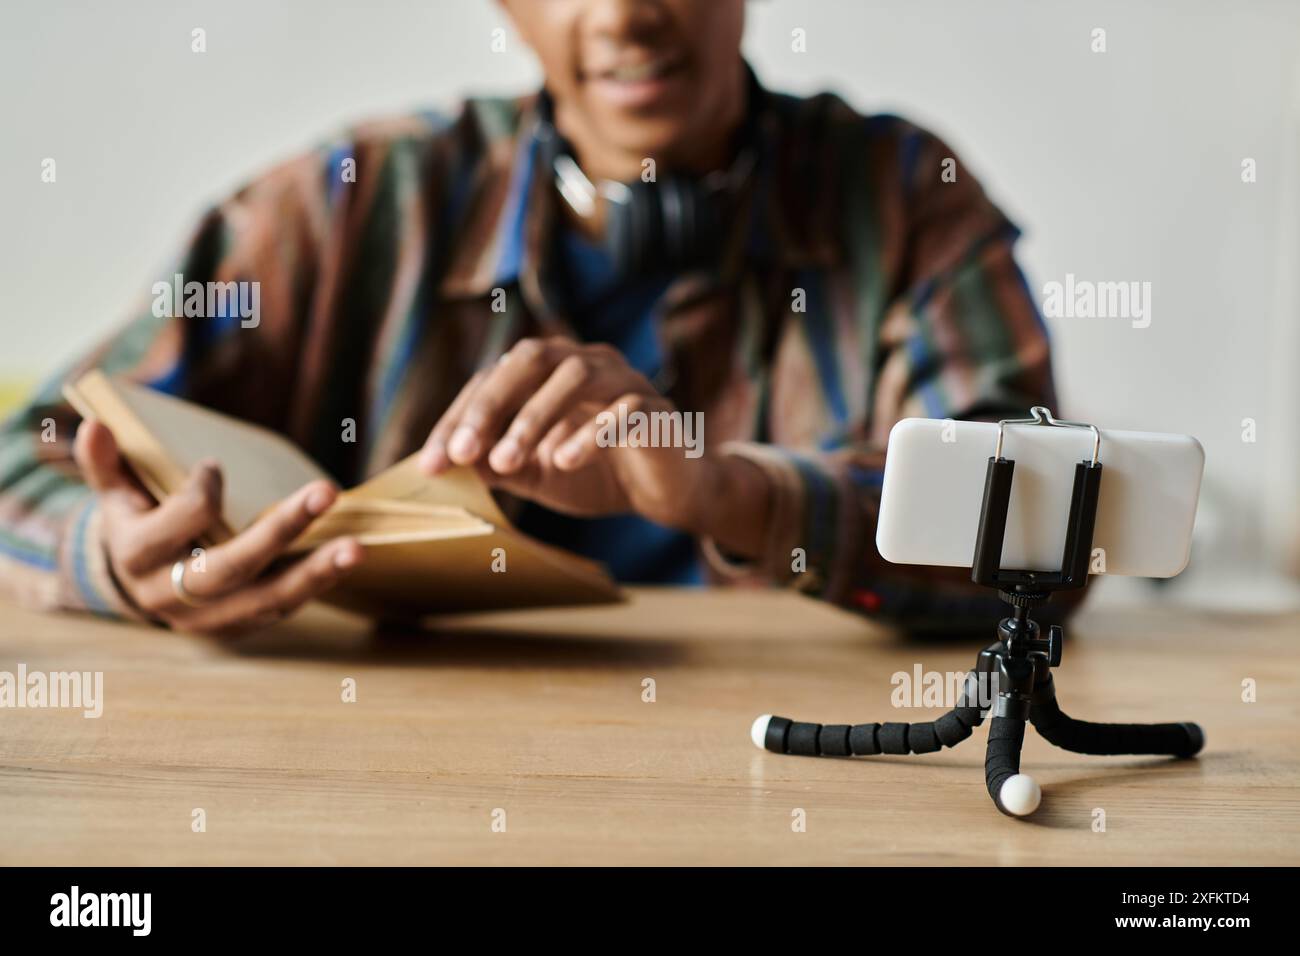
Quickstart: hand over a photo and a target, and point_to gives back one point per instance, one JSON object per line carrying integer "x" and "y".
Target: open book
{"x": 431, "y": 543}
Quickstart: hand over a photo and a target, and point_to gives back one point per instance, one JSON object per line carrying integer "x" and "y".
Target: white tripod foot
{"x": 758, "y": 730}
{"x": 1020, "y": 794}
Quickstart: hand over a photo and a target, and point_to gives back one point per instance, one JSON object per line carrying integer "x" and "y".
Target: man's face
{"x": 649, "y": 78}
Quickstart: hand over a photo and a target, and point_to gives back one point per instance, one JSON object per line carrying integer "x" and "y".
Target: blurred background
{"x": 1119, "y": 166}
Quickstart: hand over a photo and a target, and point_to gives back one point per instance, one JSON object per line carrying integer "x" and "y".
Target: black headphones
{"x": 670, "y": 224}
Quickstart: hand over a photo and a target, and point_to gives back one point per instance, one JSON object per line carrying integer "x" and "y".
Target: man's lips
{"x": 638, "y": 82}
{"x": 636, "y": 70}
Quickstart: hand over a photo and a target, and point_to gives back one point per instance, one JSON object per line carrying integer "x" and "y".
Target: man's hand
{"x": 234, "y": 594}
{"x": 530, "y": 425}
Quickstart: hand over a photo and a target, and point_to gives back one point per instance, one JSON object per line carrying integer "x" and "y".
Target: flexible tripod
{"x": 1018, "y": 664}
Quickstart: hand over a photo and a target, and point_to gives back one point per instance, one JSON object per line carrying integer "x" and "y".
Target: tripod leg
{"x": 1080, "y": 736}
{"x": 784, "y": 736}
{"x": 1015, "y": 794}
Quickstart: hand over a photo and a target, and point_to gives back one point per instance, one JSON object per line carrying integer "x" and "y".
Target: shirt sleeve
{"x": 52, "y": 552}
{"x": 961, "y": 338}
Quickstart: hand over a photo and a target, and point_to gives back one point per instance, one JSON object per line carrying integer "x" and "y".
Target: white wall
{"x": 1119, "y": 166}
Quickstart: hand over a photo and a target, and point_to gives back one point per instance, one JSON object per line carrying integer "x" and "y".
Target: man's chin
{"x": 664, "y": 143}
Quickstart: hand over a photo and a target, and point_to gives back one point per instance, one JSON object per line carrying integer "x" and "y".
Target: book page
{"x": 259, "y": 466}
{"x": 457, "y": 487}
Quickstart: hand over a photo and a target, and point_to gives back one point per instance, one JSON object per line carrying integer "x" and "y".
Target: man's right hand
{"x": 233, "y": 592}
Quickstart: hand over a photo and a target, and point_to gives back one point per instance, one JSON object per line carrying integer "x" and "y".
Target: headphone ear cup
{"x": 618, "y": 227}
{"x": 632, "y": 231}
{"x": 692, "y": 251}
{"x": 633, "y": 240}
{"x": 708, "y": 215}
{"x": 666, "y": 226}
{"x": 672, "y": 201}
{"x": 649, "y": 232}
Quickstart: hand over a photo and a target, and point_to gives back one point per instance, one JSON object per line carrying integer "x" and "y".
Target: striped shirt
{"x": 864, "y": 278}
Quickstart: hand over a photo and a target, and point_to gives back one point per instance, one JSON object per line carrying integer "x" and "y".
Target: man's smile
{"x": 637, "y": 82}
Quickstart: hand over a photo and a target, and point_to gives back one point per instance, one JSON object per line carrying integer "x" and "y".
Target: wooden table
{"x": 541, "y": 715}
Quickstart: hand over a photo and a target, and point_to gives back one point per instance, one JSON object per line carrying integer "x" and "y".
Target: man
{"x": 481, "y": 288}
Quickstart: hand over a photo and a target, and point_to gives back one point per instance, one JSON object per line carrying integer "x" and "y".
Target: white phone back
{"x": 934, "y": 485}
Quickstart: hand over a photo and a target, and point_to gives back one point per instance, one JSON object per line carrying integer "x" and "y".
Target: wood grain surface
{"x": 541, "y": 715}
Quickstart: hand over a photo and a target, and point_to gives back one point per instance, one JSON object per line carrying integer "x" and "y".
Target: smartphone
{"x": 934, "y": 484}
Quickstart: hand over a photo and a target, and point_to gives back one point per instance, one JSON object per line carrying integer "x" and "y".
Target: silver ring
{"x": 178, "y": 586}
